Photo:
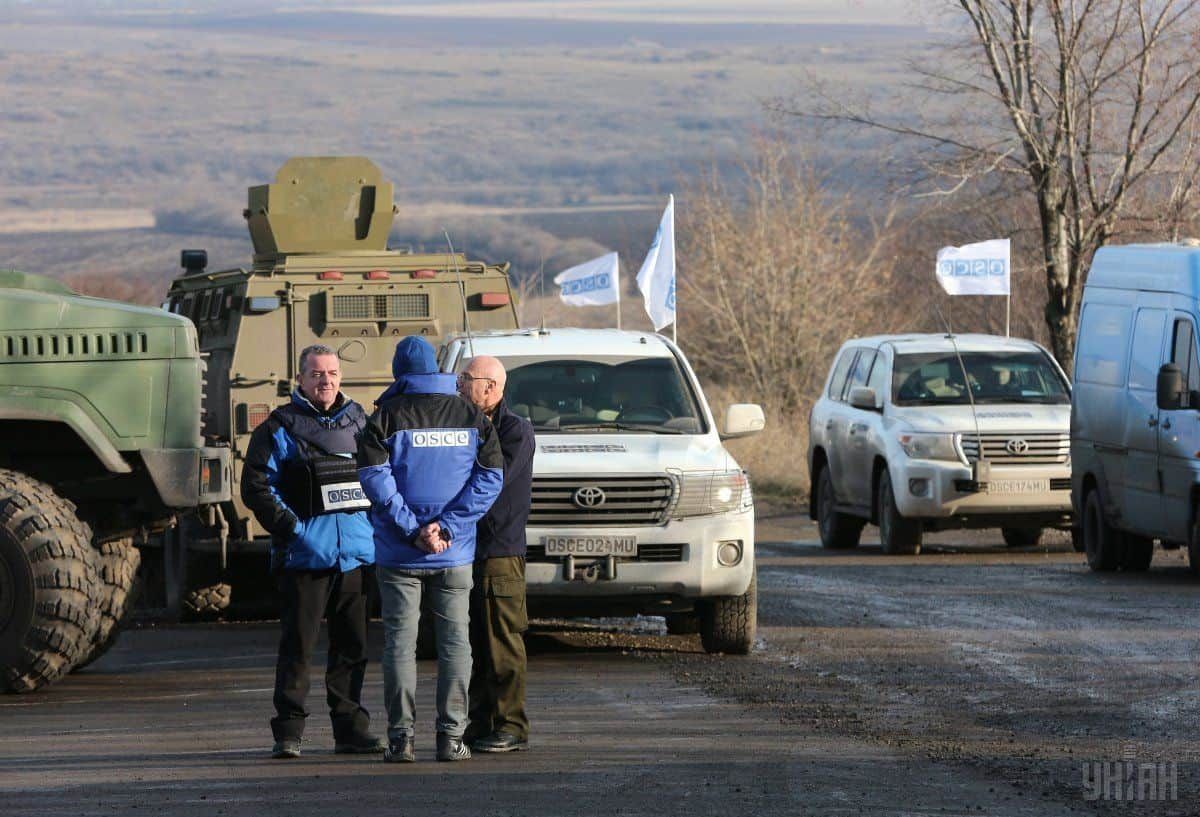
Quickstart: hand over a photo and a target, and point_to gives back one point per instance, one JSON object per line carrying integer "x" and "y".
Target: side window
{"x": 218, "y": 301}
{"x": 1147, "y": 348}
{"x": 1183, "y": 353}
{"x": 878, "y": 381}
{"x": 860, "y": 371}
{"x": 837, "y": 383}
{"x": 202, "y": 310}
{"x": 1103, "y": 345}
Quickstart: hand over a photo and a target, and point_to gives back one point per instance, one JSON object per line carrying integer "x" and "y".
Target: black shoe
{"x": 500, "y": 742}
{"x": 451, "y": 749}
{"x": 286, "y": 749}
{"x": 361, "y": 745}
{"x": 400, "y": 751}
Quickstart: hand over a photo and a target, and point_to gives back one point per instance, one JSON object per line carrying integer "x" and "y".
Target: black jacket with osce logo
{"x": 501, "y": 532}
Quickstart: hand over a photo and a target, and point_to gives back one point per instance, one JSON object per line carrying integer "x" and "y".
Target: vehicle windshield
{"x": 995, "y": 377}
{"x": 603, "y": 394}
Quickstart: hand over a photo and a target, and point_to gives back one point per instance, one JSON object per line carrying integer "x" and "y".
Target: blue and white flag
{"x": 976, "y": 269}
{"x": 592, "y": 283}
{"x": 656, "y": 278}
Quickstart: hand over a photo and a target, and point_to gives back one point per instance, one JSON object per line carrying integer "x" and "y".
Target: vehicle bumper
{"x": 188, "y": 477}
{"x": 941, "y": 490}
{"x": 697, "y": 574}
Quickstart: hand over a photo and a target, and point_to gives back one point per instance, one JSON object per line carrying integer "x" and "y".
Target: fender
{"x": 27, "y": 404}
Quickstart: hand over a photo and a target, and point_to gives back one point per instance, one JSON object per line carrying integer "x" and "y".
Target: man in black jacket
{"x": 498, "y": 614}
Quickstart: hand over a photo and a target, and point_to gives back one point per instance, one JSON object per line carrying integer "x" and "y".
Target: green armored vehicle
{"x": 322, "y": 273}
{"x": 99, "y": 445}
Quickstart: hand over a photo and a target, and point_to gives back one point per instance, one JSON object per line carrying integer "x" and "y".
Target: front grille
{"x": 74, "y": 346}
{"x": 409, "y": 306}
{"x": 628, "y": 501}
{"x": 646, "y": 553}
{"x": 1041, "y": 448}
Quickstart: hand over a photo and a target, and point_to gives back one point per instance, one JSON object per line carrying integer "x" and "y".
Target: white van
{"x": 1135, "y": 412}
{"x": 637, "y": 506}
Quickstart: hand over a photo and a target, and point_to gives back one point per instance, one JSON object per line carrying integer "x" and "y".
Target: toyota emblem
{"x": 1016, "y": 446}
{"x": 589, "y": 496}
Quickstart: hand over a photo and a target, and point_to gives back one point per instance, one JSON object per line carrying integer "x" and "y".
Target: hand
{"x": 429, "y": 538}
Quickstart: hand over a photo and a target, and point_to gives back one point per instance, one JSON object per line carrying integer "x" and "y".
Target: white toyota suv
{"x": 637, "y": 506}
{"x": 896, "y": 435}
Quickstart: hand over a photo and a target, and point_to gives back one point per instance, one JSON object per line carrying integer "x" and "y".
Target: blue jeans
{"x": 400, "y": 593}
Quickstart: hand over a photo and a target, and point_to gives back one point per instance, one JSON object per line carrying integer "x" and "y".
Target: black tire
{"x": 1077, "y": 539}
{"x": 1193, "y": 544}
{"x": 839, "y": 531}
{"x": 118, "y": 561}
{"x": 1102, "y": 543}
{"x": 208, "y": 600}
{"x": 1021, "y": 537}
{"x": 899, "y": 535}
{"x": 682, "y": 623}
{"x": 48, "y": 584}
{"x": 1137, "y": 553}
{"x": 728, "y": 624}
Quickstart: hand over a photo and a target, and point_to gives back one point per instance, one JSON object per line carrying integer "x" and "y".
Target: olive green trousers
{"x": 498, "y": 623}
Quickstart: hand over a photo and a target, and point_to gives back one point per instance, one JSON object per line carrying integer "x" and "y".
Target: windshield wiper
{"x": 613, "y": 425}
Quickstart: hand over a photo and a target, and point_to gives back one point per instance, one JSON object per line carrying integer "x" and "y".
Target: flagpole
{"x": 1008, "y": 309}
{"x": 618, "y": 283}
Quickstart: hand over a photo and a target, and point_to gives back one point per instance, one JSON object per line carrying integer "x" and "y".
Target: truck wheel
{"x": 1193, "y": 544}
{"x": 118, "y": 562}
{"x": 1021, "y": 537}
{"x": 1137, "y": 553}
{"x": 1077, "y": 539}
{"x": 208, "y": 600}
{"x": 1101, "y": 542}
{"x": 728, "y": 623}
{"x": 682, "y": 623}
{"x": 48, "y": 584}
{"x": 838, "y": 530}
{"x": 897, "y": 534}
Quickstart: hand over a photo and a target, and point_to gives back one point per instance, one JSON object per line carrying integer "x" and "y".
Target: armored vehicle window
{"x": 202, "y": 310}
{"x": 186, "y": 308}
{"x": 1183, "y": 353}
{"x": 840, "y": 370}
{"x": 218, "y": 300}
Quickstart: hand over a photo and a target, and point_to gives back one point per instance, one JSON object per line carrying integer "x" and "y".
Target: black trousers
{"x": 308, "y": 595}
{"x": 498, "y": 624}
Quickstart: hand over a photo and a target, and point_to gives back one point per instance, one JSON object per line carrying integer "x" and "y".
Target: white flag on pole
{"x": 656, "y": 278}
{"x": 592, "y": 283}
{"x": 976, "y": 269}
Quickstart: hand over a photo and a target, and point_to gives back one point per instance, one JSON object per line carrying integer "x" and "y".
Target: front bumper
{"x": 696, "y": 574}
{"x": 933, "y": 489}
{"x": 189, "y": 477}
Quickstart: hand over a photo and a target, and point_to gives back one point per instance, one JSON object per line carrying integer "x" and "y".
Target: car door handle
{"x": 1152, "y": 422}
{"x": 1167, "y": 424}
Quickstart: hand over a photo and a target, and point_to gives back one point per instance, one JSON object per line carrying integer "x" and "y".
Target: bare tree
{"x": 1088, "y": 106}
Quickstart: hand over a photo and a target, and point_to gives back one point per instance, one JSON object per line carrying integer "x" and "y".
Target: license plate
{"x": 590, "y": 545}
{"x": 1018, "y": 486}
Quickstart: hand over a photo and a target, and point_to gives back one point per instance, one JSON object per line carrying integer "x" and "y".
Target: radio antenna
{"x": 980, "y": 469}
{"x": 542, "y": 291}
{"x": 462, "y": 291}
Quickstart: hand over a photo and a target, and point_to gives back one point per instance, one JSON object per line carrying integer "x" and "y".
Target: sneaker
{"x": 286, "y": 749}
{"x": 400, "y": 751}
{"x": 451, "y": 749}
{"x": 361, "y": 745}
{"x": 500, "y": 742}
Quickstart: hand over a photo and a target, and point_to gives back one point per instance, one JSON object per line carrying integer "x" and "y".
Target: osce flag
{"x": 656, "y": 278}
{"x": 975, "y": 269}
{"x": 592, "y": 283}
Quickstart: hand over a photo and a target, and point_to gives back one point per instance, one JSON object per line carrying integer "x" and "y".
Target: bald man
{"x": 498, "y": 615}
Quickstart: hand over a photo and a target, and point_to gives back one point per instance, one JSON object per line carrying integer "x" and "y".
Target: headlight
{"x": 704, "y": 493}
{"x": 930, "y": 446}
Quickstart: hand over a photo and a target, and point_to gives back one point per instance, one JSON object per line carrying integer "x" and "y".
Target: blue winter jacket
{"x": 427, "y": 455}
{"x": 278, "y": 449}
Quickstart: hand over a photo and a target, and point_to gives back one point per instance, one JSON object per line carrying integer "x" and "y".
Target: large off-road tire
{"x": 118, "y": 562}
{"x": 1077, "y": 539}
{"x": 839, "y": 531}
{"x": 1021, "y": 537}
{"x": 728, "y": 624}
{"x": 682, "y": 623}
{"x": 1103, "y": 544}
{"x": 1137, "y": 553}
{"x": 898, "y": 534}
{"x": 48, "y": 584}
{"x": 208, "y": 600}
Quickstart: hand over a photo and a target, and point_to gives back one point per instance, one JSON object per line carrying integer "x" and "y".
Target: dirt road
{"x": 968, "y": 680}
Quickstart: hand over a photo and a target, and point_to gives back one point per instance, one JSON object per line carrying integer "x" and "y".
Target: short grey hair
{"x": 316, "y": 350}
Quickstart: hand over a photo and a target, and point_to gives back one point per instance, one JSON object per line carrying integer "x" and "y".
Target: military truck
{"x": 322, "y": 272}
{"x": 100, "y": 447}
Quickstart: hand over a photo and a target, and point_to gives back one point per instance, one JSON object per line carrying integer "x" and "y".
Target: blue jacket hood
{"x": 414, "y": 355}
{"x": 435, "y": 383}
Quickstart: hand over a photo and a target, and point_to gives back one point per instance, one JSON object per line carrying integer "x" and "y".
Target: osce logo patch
{"x": 440, "y": 439}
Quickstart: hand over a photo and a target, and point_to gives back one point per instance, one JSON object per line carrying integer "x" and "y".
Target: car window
{"x": 936, "y": 378}
{"x": 1103, "y": 345}
{"x": 878, "y": 380}
{"x": 1147, "y": 348}
{"x": 1183, "y": 353}
{"x": 860, "y": 371}
{"x": 837, "y": 383}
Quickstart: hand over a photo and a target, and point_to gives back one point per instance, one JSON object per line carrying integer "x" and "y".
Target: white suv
{"x": 637, "y": 507}
{"x": 896, "y": 435}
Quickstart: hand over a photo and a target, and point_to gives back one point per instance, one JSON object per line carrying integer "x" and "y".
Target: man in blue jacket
{"x": 431, "y": 465}
{"x": 300, "y": 481}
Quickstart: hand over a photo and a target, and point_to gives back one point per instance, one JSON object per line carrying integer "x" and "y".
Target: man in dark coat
{"x": 498, "y": 613}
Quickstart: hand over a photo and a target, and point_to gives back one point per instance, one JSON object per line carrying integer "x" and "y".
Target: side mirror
{"x": 742, "y": 420}
{"x": 862, "y": 397}
{"x": 1170, "y": 387}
